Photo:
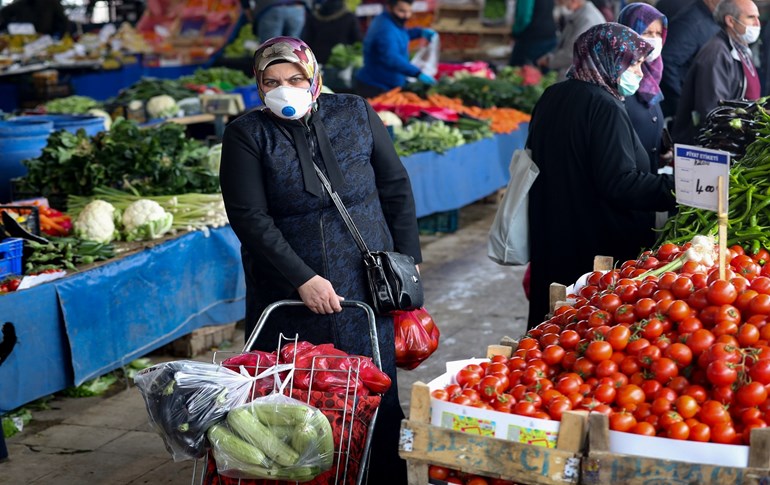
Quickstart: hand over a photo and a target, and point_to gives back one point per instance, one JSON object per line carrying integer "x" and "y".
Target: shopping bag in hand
{"x": 416, "y": 337}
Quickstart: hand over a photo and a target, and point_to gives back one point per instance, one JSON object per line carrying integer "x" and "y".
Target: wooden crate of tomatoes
{"x": 475, "y": 455}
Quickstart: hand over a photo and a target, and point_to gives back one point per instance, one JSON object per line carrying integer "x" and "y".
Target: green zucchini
{"x": 282, "y": 414}
{"x": 246, "y": 424}
{"x": 223, "y": 440}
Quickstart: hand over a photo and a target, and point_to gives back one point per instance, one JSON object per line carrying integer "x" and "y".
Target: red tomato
{"x": 678, "y": 431}
{"x": 438, "y": 472}
{"x": 713, "y": 412}
{"x": 644, "y": 428}
{"x": 723, "y": 433}
{"x": 721, "y": 373}
{"x": 700, "y": 432}
{"x": 440, "y": 394}
{"x": 553, "y": 354}
{"x": 686, "y": 406}
{"x": 644, "y": 307}
{"x": 598, "y": 350}
{"x": 721, "y": 292}
{"x": 622, "y": 421}
{"x": 629, "y": 397}
{"x": 558, "y": 406}
{"x": 751, "y": 394}
{"x": 760, "y": 304}
{"x": 679, "y": 353}
{"x": 699, "y": 341}
{"x": 760, "y": 371}
{"x": 678, "y": 310}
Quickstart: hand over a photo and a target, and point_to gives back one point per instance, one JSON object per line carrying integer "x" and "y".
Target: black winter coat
{"x": 289, "y": 235}
{"x": 595, "y": 194}
{"x": 648, "y": 124}
{"x": 687, "y": 33}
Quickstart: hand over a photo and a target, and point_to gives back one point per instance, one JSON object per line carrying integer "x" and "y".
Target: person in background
{"x": 294, "y": 241}
{"x": 643, "y": 107}
{"x": 723, "y": 68}
{"x": 275, "y": 18}
{"x": 579, "y": 16}
{"x": 687, "y": 33}
{"x": 386, "y": 51}
{"x": 47, "y": 16}
{"x": 591, "y": 162}
{"x": 606, "y": 8}
{"x": 534, "y": 31}
{"x": 329, "y": 24}
{"x": 672, "y": 8}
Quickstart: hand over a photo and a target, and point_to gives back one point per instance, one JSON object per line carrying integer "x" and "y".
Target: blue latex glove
{"x": 428, "y": 34}
{"x": 424, "y": 78}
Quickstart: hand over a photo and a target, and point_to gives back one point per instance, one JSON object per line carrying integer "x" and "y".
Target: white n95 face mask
{"x": 657, "y": 47}
{"x": 288, "y": 102}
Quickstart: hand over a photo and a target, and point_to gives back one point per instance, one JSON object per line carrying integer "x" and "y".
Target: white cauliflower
{"x": 96, "y": 222}
{"x": 162, "y": 106}
{"x": 145, "y": 219}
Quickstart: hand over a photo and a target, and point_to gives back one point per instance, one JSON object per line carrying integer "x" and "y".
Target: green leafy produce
{"x": 152, "y": 162}
{"x": 345, "y": 55}
{"x": 15, "y": 421}
{"x": 133, "y": 367}
{"x": 237, "y": 48}
{"x": 94, "y": 387}
{"x": 474, "y": 129}
{"x": 64, "y": 252}
{"x": 147, "y": 88}
{"x": 222, "y": 77}
{"x": 72, "y": 105}
{"x": 487, "y": 93}
{"x": 421, "y": 136}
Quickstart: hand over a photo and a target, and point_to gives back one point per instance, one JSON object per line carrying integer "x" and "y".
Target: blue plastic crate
{"x": 10, "y": 256}
{"x": 250, "y": 96}
{"x": 440, "y": 222}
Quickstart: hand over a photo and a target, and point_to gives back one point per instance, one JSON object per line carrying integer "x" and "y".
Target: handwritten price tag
{"x": 696, "y": 174}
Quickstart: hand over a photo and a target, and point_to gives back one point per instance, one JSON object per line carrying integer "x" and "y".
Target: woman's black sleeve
{"x": 243, "y": 192}
{"x": 613, "y": 153}
{"x": 395, "y": 190}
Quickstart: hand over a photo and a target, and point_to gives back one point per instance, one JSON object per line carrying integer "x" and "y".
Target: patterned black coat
{"x": 288, "y": 235}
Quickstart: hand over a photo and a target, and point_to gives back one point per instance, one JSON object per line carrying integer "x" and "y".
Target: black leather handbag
{"x": 394, "y": 282}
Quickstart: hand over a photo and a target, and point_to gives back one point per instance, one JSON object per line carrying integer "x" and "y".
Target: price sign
{"x": 696, "y": 175}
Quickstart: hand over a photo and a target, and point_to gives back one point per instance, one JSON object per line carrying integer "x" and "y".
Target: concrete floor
{"x": 107, "y": 440}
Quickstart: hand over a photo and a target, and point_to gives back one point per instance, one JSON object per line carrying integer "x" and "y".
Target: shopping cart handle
{"x": 345, "y": 303}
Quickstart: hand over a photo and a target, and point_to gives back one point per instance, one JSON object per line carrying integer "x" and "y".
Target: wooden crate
{"x": 602, "y": 467}
{"x": 422, "y": 444}
{"x": 201, "y": 340}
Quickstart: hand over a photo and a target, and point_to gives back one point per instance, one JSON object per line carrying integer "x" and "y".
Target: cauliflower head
{"x": 145, "y": 219}
{"x": 96, "y": 222}
{"x": 162, "y": 106}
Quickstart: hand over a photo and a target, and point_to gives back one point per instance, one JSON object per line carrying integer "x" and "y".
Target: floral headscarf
{"x": 603, "y": 52}
{"x": 291, "y": 50}
{"x": 639, "y": 16}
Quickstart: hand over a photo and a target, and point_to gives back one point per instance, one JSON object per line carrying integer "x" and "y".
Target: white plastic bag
{"x": 275, "y": 437}
{"x": 508, "y": 242}
{"x": 184, "y": 398}
{"x": 426, "y": 57}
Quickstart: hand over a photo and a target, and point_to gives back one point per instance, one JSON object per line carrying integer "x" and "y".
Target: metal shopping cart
{"x": 352, "y": 414}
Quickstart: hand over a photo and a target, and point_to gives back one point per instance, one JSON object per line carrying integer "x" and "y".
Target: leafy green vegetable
{"x": 506, "y": 91}
{"x": 345, "y": 55}
{"x": 222, "y": 77}
{"x": 94, "y": 387}
{"x": 147, "y": 88}
{"x": 64, "y": 252}
{"x": 152, "y": 162}
{"x": 15, "y": 421}
{"x": 421, "y": 136}
{"x": 72, "y": 105}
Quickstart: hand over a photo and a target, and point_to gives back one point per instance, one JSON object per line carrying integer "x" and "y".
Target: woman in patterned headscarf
{"x": 294, "y": 242}
{"x": 595, "y": 194}
{"x": 644, "y": 106}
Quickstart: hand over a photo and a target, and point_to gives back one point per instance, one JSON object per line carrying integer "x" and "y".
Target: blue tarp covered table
{"x": 462, "y": 175}
{"x": 89, "y": 323}
{"x": 85, "y": 325}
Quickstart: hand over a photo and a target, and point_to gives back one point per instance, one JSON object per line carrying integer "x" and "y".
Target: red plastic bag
{"x": 416, "y": 337}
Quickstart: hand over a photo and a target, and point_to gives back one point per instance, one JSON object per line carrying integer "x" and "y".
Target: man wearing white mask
{"x": 579, "y": 16}
{"x": 723, "y": 68}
